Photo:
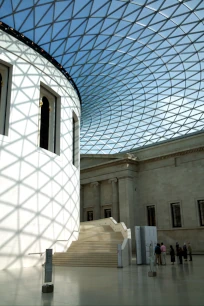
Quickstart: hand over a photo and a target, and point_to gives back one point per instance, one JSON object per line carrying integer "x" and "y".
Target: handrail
{"x": 40, "y": 253}
{"x": 116, "y": 227}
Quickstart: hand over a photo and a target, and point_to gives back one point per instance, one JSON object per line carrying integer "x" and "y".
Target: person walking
{"x": 163, "y": 254}
{"x": 185, "y": 255}
{"x": 177, "y": 252}
{"x": 190, "y": 251}
{"x": 157, "y": 252}
{"x": 172, "y": 254}
{"x": 180, "y": 255}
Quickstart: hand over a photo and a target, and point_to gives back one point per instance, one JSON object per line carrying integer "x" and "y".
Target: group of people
{"x": 181, "y": 252}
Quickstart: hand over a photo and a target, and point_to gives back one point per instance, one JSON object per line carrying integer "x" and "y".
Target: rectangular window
{"x": 151, "y": 215}
{"x": 75, "y": 140}
{"x": 90, "y": 215}
{"x": 5, "y": 89}
{"x": 176, "y": 214}
{"x": 49, "y": 125}
{"x": 201, "y": 211}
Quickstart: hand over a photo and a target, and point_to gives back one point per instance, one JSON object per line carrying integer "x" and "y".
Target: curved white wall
{"x": 39, "y": 190}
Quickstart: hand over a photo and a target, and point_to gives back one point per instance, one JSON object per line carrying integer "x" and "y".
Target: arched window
{"x": 44, "y": 126}
{"x": 49, "y": 127}
{"x": 5, "y": 89}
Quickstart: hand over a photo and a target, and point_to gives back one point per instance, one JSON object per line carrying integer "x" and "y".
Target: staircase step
{"x": 88, "y": 228}
{"x": 95, "y": 247}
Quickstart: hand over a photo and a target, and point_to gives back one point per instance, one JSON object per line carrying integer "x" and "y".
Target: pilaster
{"x": 97, "y": 207}
{"x": 115, "y": 203}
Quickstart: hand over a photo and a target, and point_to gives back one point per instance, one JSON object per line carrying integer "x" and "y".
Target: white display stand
{"x": 145, "y": 236}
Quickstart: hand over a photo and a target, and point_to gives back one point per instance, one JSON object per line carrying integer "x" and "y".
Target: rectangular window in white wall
{"x": 5, "y": 91}
{"x": 75, "y": 140}
{"x": 49, "y": 121}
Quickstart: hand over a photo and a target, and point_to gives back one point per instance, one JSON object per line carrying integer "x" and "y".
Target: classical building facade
{"x": 161, "y": 185}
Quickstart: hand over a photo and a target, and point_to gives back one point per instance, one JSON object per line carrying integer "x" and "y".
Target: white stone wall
{"x": 39, "y": 190}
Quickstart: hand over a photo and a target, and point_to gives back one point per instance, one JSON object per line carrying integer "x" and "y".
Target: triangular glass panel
{"x": 28, "y": 23}
{"x": 88, "y": 42}
{"x": 145, "y": 17}
{"x": 114, "y": 42}
{"x": 9, "y": 20}
{"x": 78, "y": 6}
{"x": 72, "y": 44}
{"x": 15, "y": 3}
{"x": 41, "y": 12}
{"x": 85, "y": 12}
{"x": 60, "y": 30}
{"x": 46, "y": 36}
{"x": 93, "y": 22}
{"x": 25, "y": 5}
{"x": 87, "y": 69}
{"x": 169, "y": 11}
{"x": 99, "y": 10}
{"x": 123, "y": 28}
{"x": 77, "y": 27}
{"x": 96, "y": 29}
{"x": 132, "y": 12}
{"x": 179, "y": 19}
{"x": 55, "y": 45}
{"x": 60, "y": 49}
{"x": 81, "y": 57}
{"x": 136, "y": 31}
{"x": 116, "y": 9}
{"x": 94, "y": 55}
{"x": 61, "y": 8}
{"x": 39, "y": 32}
{"x": 19, "y": 18}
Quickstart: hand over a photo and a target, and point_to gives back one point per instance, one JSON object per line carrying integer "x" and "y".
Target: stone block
{"x": 46, "y": 288}
{"x": 152, "y": 274}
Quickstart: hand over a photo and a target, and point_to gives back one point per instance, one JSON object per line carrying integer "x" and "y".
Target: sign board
{"x": 48, "y": 266}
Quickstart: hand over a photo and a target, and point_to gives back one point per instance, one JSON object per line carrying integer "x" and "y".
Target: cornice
{"x": 110, "y": 164}
{"x": 123, "y": 161}
{"x": 175, "y": 154}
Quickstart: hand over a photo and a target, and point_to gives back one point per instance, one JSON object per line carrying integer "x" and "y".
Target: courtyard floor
{"x": 174, "y": 285}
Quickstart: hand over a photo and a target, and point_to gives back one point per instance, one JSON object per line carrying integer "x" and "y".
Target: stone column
{"x": 126, "y": 205}
{"x": 115, "y": 204}
{"x": 97, "y": 207}
{"x": 81, "y": 203}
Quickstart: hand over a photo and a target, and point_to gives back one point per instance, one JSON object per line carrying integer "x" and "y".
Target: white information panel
{"x": 138, "y": 245}
{"x": 145, "y": 235}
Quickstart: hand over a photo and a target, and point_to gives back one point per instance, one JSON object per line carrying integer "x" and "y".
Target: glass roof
{"x": 138, "y": 64}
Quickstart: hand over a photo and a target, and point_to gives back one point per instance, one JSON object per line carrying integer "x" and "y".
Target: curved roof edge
{"x": 11, "y": 31}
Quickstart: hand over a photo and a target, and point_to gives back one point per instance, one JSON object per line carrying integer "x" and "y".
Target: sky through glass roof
{"x": 138, "y": 64}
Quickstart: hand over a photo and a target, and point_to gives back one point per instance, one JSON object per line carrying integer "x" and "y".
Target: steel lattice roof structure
{"x": 138, "y": 65}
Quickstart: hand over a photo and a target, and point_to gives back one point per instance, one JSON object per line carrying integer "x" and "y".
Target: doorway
{"x": 107, "y": 213}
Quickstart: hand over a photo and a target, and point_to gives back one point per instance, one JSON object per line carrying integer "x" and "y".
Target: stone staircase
{"x": 96, "y": 247}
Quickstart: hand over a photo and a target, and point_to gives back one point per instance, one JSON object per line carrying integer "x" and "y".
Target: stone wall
{"x": 157, "y": 176}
